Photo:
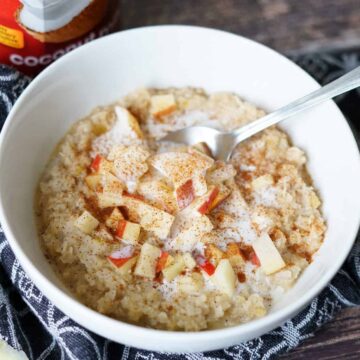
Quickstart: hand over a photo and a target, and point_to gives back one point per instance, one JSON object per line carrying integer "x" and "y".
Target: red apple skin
{"x": 96, "y": 163}
{"x": 162, "y": 261}
{"x": 205, "y": 265}
{"x": 206, "y": 206}
{"x": 119, "y": 262}
{"x": 134, "y": 196}
{"x": 254, "y": 259}
{"x": 218, "y": 200}
{"x": 185, "y": 194}
{"x": 121, "y": 228}
{"x": 209, "y": 268}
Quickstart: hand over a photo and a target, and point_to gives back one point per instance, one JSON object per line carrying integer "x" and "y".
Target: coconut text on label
{"x": 34, "y": 33}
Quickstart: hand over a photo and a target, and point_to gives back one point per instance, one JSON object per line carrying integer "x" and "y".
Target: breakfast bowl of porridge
{"x": 160, "y": 244}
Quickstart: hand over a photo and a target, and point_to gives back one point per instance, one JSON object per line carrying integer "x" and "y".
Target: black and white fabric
{"x": 28, "y": 321}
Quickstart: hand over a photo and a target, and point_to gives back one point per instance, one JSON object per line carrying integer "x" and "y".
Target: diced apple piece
{"x": 93, "y": 181}
{"x": 191, "y": 233}
{"x": 86, "y": 222}
{"x": 127, "y": 123}
{"x": 130, "y": 163}
{"x": 270, "y": 258}
{"x": 220, "y": 173}
{"x": 199, "y": 185}
{"x": 254, "y": 259}
{"x": 199, "y": 180}
{"x": 161, "y": 262}
{"x": 234, "y": 255}
{"x": 223, "y": 193}
{"x": 179, "y": 167}
{"x": 202, "y": 150}
{"x": 111, "y": 184}
{"x": 164, "y": 260}
{"x": 123, "y": 253}
{"x": 96, "y": 163}
{"x": 189, "y": 261}
{"x": 185, "y": 194}
{"x": 113, "y": 220}
{"x": 109, "y": 200}
{"x": 202, "y": 156}
{"x": 214, "y": 254}
{"x": 203, "y": 204}
{"x": 118, "y": 262}
{"x": 128, "y": 231}
{"x": 175, "y": 269}
{"x": 127, "y": 267}
{"x": 134, "y": 196}
{"x": 101, "y": 165}
{"x": 116, "y": 151}
{"x": 161, "y": 105}
{"x": 105, "y": 166}
{"x": 149, "y": 217}
{"x": 208, "y": 200}
{"x": 205, "y": 265}
{"x": 169, "y": 260}
{"x": 203, "y": 147}
{"x": 123, "y": 260}
{"x": 224, "y": 277}
{"x": 159, "y": 194}
{"x": 102, "y": 234}
{"x": 262, "y": 182}
{"x": 146, "y": 264}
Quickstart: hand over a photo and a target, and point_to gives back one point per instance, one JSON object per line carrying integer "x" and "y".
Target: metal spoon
{"x": 222, "y": 143}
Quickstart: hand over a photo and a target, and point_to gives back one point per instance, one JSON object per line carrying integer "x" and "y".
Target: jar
{"x": 34, "y": 33}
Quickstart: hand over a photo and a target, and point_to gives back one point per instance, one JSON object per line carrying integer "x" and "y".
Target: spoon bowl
{"x": 222, "y": 144}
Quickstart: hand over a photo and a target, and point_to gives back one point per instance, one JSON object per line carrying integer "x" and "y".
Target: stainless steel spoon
{"x": 222, "y": 143}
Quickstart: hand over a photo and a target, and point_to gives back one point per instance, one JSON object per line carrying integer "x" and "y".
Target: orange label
{"x": 11, "y": 37}
{"x": 31, "y": 51}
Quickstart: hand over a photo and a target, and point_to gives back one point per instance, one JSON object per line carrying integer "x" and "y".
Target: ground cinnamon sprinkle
{"x": 263, "y": 196}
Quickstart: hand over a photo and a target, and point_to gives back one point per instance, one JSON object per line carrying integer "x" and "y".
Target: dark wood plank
{"x": 339, "y": 339}
{"x": 286, "y": 25}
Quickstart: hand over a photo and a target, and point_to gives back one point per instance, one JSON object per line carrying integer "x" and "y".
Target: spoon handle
{"x": 341, "y": 85}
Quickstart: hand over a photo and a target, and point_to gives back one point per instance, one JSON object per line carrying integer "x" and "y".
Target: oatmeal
{"x": 164, "y": 235}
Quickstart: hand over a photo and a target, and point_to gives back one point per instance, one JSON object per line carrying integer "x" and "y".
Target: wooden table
{"x": 291, "y": 27}
{"x": 339, "y": 339}
{"x": 285, "y": 25}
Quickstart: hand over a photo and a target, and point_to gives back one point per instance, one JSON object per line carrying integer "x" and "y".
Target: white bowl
{"x": 107, "y": 69}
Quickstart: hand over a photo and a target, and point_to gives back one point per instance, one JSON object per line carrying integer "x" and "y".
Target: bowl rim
{"x": 42, "y": 282}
